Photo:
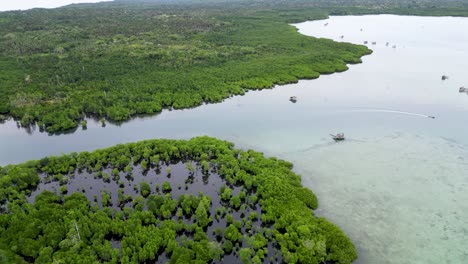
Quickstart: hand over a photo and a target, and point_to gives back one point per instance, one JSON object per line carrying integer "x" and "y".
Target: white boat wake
{"x": 377, "y": 110}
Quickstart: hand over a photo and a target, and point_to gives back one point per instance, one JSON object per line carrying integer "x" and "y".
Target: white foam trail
{"x": 376, "y": 110}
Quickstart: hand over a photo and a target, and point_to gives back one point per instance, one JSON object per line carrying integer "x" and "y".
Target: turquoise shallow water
{"x": 397, "y": 186}
{"x": 401, "y": 197}
{"x": 400, "y": 189}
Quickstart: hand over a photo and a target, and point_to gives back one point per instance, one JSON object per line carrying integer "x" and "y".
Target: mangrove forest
{"x": 114, "y": 60}
{"x": 163, "y": 201}
{"x": 125, "y": 58}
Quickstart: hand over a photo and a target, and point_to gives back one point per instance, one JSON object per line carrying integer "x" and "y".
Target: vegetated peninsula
{"x": 115, "y": 60}
{"x": 158, "y": 201}
{"x": 120, "y": 59}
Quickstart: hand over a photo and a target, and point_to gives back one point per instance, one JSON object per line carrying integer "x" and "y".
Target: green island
{"x": 116, "y": 60}
{"x": 163, "y": 201}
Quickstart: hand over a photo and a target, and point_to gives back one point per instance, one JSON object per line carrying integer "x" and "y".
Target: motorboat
{"x": 338, "y": 137}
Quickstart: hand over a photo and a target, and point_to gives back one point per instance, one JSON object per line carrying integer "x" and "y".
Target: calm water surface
{"x": 398, "y": 185}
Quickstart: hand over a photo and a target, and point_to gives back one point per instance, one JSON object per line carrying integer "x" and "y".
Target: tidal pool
{"x": 397, "y": 186}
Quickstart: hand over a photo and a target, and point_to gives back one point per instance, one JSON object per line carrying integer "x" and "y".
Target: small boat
{"x": 463, "y": 90}
{"x": 373, "y": 43}
{"x": 444, "y": 77}
{"x": 293, "y": 99}
{"x": 386, "y": 44}
{"x": 394, "y": 46}
{"x": 365, "y": 42}
{"x": 338, "y": 137}
{"x": 342, "y": 37}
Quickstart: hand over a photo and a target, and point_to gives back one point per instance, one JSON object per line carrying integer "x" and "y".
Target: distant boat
{"x": 326, "y": 24}
{"x": 341, "y": 36}
{"x": 386, "y": 44}
{"x": 373, "y": 43}
{"x": 444, "y": 77}
{"x": 394, "y": 46}
{"x": 293, "y": 99}
{"x": 463, "y": 90}
{"x": 365, "y": 42}
{"x": 338, "y": 137}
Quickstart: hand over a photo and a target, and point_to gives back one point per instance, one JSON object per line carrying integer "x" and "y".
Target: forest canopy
{"x": 260, "y": 212}
{"x": 117, "y": 60}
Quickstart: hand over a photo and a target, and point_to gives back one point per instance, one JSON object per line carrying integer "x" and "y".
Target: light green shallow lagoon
{"x": 397, "y": 186}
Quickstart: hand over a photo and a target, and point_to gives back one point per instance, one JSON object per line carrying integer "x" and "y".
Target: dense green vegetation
{"x": 117, "y": 60}
{"x": 262, "y": 209}
{"x": 124, "y": 58}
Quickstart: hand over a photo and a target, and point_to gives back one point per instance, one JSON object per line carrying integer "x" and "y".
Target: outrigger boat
{"x": 338, "y": 137}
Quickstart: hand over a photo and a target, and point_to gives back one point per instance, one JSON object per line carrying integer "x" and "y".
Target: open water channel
{"x": 398, "y": 185}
